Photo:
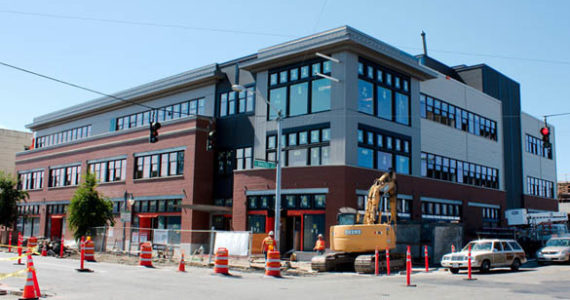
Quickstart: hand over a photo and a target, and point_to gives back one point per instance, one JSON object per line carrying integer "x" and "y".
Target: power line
{"x": 115, "y": 21}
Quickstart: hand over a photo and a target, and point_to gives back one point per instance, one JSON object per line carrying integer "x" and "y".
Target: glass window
{"x": 304, "y": 71}
{"x": 326, "y": 134}
{"x": 365, "y": 157}
{"x": 320, "y": 201}
{"x": 299, "y": 99}
{"x": 273, "y": 79}
{"x": 303, "y": 138}
{"x": 325, "y": 155}
{"x": 315, "y": 156}
{"x": 384, "y": 161}
{"x": 283, "y": 77}
{"x": 223, "y": 105}
{"x": 327, "y": 66}
{"x": 370, "y": 138}
{"x": 315, "y": 138}
{"x": 316, "y": 68}
{"x": 278, "y": 98}
{"x": 293, "y": 139}
{"x": 294, "y": 74}
{"x": 321, "y": 95}
{"x": 365, "y": 97}
{"x": 402, "y": 164}
{"x": 379, "y": 76}
{"x": 305, "y": 201}
{"x": 384, "y": 103}
{"x": 360, "y": 68}
{"x": 370, "y": 72}
{"x": 297, "y": 157}
{"x": 402, "y": 109}
{"x": 271, "y": 142}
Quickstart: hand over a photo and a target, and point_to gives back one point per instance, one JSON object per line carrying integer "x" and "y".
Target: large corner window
{"x": 383, "y": 93}
{"x": 297, "y": 90}
{"x": 382, "y": 150}
{"x": 302, "y": 147}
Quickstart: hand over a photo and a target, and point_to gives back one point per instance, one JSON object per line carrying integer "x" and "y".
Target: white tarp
{"x": 160, "y": 236}
{"x": 237, "y": 243}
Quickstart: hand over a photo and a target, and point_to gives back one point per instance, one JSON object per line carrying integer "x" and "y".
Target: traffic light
{"x": 211, "y": 140}
{"x": 154, "y": 127}
{"x": 545, "y": 132}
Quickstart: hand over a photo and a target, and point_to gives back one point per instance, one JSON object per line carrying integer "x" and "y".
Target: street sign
{"x": 264, "y": 164}
{"x": 125, "y": 216}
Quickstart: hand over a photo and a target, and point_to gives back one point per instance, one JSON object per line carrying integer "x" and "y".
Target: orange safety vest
{"x": 320, "y": 245}
{"x": 268, "y": 241}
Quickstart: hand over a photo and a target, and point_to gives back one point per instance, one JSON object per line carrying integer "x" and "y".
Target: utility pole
{"x": 278, "y": 181}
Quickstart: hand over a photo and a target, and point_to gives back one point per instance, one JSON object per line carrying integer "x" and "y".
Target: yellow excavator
{"x": 354, "y": 244}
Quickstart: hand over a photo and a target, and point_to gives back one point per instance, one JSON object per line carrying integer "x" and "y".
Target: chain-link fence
{"x": 197, "y": 245}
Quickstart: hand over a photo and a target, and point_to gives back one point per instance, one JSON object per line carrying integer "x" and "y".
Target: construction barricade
{"x": 221, "y": 262}
{"x": 146, "y": 254}
{"x": 89, "y": 250}
{"x": 273, "y": 264}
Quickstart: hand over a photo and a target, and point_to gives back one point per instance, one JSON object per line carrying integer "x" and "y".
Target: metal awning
{"x": 208, "y": 208}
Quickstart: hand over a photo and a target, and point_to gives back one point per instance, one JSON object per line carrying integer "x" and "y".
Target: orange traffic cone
{"x": 182, "y": 265}
{"x": 34, "y": 275}
{"x": 44, "y": 251}
{"x": 29, "y": 290}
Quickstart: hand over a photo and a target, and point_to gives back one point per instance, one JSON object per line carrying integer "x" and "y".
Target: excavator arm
{"x": 385, "y": 186}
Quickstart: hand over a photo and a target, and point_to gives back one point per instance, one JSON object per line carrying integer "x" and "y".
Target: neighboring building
{"x": 564, "y": 197}
{"x": 455, "y": 136}
{"x": 12, "y": 142}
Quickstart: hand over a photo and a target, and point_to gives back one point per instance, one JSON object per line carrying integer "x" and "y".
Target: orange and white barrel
{"x": 146, "y": 255}
{"x": 32, "y": 243}
{"x": 221, "y": 263}
{"x": 89, "y": 250}
{"x": 273, "y": 264}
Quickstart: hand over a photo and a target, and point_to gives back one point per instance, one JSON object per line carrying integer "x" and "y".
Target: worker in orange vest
{"x": 320, "y": 245}
{"x": 267, "y": 244}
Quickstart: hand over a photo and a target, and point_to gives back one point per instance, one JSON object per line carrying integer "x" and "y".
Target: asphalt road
{"x": 59, "y": 280}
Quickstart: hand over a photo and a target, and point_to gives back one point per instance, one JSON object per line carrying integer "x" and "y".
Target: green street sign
{"x": 264, "y": 164}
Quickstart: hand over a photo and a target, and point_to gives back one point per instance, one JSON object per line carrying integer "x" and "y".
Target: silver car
{"x": 557, "y": 249}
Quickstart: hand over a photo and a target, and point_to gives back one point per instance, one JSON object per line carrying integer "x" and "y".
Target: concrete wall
{"x": 535, "y": 165}
{"x": 12, "y": 142}
{"x": 447, "y": 141}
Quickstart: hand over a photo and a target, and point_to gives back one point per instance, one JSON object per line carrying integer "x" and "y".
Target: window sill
{"x": 140, "y": 180}
{"x": 62, "y": 187}
{"x": 33, "y": 190}
{"x": 111, "y": 182}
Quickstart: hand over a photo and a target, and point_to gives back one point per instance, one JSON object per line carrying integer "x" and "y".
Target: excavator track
{"x": 366, "y": 263}
{"x": 333, "y": 262}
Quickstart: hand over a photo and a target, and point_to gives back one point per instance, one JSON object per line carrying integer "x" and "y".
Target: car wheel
{"x": 485, "y": 266}
{"x": 454, "y": 270}
{"x": 516, "y": 265}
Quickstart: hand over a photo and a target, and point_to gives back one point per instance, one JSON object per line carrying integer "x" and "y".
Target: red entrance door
{"x": 56, "y": 224}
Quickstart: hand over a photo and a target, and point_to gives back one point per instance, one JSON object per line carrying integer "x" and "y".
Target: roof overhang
{"x": 208, "y": 208}
{"x": 339, "y": 39}
{"x": 187, "y": 80}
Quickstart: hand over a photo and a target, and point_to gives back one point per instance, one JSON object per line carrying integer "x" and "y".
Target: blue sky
{"x": 526, "y": 40}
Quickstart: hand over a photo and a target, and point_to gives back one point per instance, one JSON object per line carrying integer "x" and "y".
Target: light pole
{"x": 278, "y": 181}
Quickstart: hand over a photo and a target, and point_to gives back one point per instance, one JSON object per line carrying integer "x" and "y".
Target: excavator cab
{"x": 346, "y": 216}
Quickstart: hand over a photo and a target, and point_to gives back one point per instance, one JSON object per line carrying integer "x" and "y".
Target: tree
{"x": 9, "y": 198}
{"x": 88, "y": 209}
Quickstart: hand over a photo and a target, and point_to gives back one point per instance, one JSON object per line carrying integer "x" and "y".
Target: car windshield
{"x": 558, "y": 243}
{"x": 481, "y": 246}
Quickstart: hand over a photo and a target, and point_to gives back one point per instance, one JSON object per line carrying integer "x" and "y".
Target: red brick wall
{"x": 534, "y": 202}
{"x": 195, "y": 184}
{"x": 343, "y": 182}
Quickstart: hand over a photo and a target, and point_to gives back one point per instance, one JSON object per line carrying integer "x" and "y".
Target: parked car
{"x": 556, "y": 249}
{"x": 486, "y": 254}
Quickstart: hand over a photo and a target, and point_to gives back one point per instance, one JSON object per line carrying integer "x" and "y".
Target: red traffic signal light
{"x": 545, "y": 131}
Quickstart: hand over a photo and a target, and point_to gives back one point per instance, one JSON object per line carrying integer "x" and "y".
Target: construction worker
{"x": 320, "y": 245}
{"x": 267, "y": 244}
